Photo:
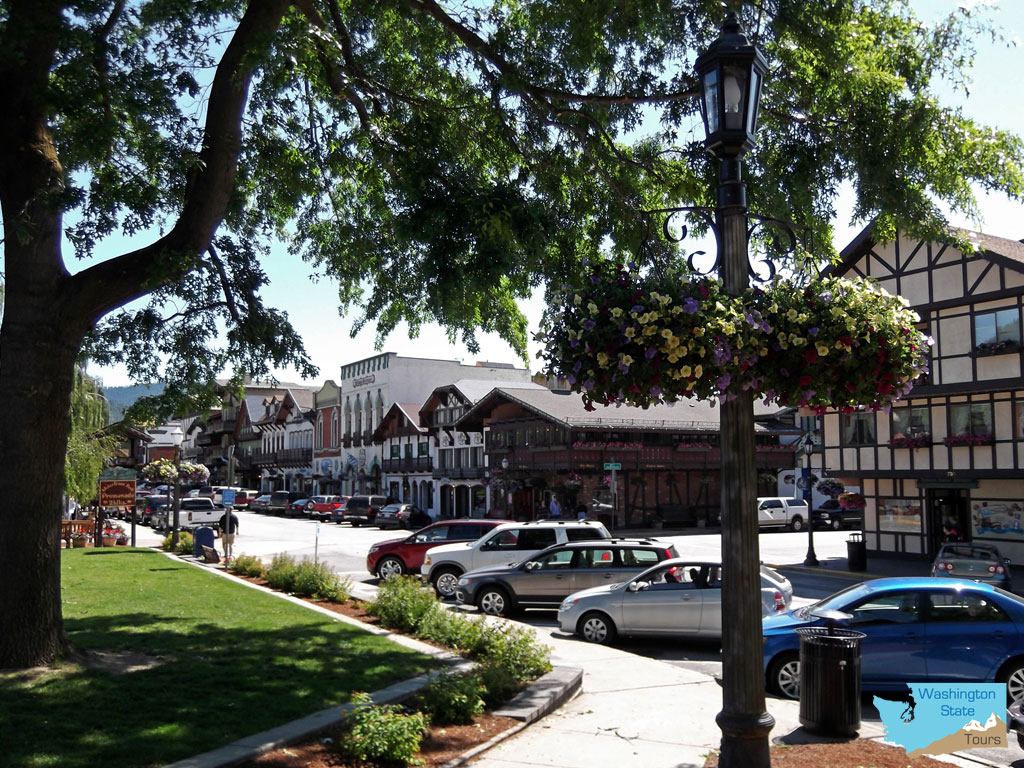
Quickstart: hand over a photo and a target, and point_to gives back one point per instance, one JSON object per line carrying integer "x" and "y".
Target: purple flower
{"x": 588, "y": 384}
{"x": 623, "y": 367}
{"x": 637, "y": 308}
{"x": 723, "y": 382}
{"x": 574, "y": 342}
{"x": 826, "y": 296}
{"x": 631, "y": 264}
{"x": 595, "y": 279}
{"x": 655, "y": 391}
{"x": 651, "y": 352}
{"x": 722, "y": 354}
{"x": 588, "y": 325}
{"x": 690, "y": 305}
{"x": 812, "y": 331}
{"x": 576, "y": 368}
{"x": 765, "y": 327}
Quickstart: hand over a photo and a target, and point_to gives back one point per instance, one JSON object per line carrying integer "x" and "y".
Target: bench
{"x": 69, "y": 527}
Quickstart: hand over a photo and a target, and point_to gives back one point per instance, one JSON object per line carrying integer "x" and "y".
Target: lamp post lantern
{"x": 811, "y": 559}
{"x": 731, "y": 72}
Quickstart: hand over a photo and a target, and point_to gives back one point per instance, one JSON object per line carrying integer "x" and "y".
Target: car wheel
{"x": 494, "y": 601}
{"x": 1012, "y": 674}
{"x": 445, "y": 581}
{"x": 784, "y": 675}
{"x": 356, "y": 524}
{"x": 797, "y": 523}
{"x": 597, "y": 628}
{"x": 390, "y": 566}
{"x": 837, "y": 524}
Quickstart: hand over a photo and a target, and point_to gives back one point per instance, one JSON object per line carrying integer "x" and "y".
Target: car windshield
{"x": 836, "y": 602}
{"x": 392, "y": 508}
{"x": 968, "y": 552}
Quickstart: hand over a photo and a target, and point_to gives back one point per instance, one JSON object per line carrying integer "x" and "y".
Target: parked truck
{"x": 194, "y": 512}
{"x": 779, "y": 511}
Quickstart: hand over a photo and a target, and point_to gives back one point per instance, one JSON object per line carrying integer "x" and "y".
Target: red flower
{"x": 811, "y": 356}
{"x": 805, "y": 381}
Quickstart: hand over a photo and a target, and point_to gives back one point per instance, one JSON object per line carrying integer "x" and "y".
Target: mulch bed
{"x": 859, "y": 753}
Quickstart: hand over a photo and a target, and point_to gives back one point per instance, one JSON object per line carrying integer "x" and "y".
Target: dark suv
{"x": 279, "y": 501}
{"x": 831, "y": 515}
{"x": 364, "y": 509}
{"x": 545, "y": 579}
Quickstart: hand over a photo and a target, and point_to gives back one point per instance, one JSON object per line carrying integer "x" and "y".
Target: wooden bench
{"x": 69, "y": 527}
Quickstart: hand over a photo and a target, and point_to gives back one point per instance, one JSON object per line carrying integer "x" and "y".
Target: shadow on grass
{"x": 214, "y": 686}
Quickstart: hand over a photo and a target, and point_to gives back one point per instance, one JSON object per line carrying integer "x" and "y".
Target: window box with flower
{"x": 967, "y": 438}
{"x": 914, "y": 441}
{"x": 1004, "y": 347}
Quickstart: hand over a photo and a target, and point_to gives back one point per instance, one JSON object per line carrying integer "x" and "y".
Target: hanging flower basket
{"x": 851, "y": 500}
{"x": 166, "y": 471}
{"x": 831, "y": 488}
{"x": 624, "y": 336}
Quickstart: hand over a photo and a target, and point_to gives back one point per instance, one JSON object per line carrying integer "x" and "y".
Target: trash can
{"x": 203, "y": 536}
{"x": 830, "y": 680}
{"x": 856, "y": 552}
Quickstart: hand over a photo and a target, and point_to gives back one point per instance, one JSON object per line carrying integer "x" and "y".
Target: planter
{"x": 108, "y": 541}
{"x": 78, "y": 543}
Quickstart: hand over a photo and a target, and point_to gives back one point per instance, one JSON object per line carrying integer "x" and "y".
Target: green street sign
{"x": 613, "y": 466}
{"x": 117, "y": 473}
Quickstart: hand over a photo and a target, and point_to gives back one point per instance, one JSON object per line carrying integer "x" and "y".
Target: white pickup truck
{"x": 194, "y": 512}
{"x": 775, "y": 510}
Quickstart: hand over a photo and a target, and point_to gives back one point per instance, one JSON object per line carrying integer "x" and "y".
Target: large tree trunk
{"x": 37, "y": 356}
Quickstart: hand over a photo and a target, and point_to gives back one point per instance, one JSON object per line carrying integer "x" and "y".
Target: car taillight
{"x": 780, "y": 602}
{"x": 996, "y": 569}
{"x": 944, "y": 567}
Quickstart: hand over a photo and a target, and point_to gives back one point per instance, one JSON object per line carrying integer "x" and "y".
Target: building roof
{"x": 476, "y": 389}
{"x": 568, "y": 409}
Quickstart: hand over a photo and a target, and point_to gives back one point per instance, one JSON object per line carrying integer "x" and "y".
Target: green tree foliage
{"x": 439, "y": 161}
{"x": 88, "y": 446}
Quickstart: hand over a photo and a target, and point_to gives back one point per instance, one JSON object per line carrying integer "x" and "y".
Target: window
{"x": 320, "y": 431}
{"x": 954, "y": 606}
{"x": 601, "y": 557}
{"x": 971, "y": 419}
{"x": 897, "y": 608}
{"x": 899, "y": 515}
{"x": 858, "y": 428}
{"x": 556, "y": 561}
{"x": 394, "y": 450}
{"x": 424, "y": 449}
{"x": 536, "y": 538}
{"x": 997, "y": 331}
{"x": 582, "y": 534}
{"x": 911, "y": 422}
{"x": 408, "y": 450}
{"x": 334, "y": 430}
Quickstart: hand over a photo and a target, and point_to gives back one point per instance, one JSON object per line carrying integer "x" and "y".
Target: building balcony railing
{"x": 368, "y": 437}
{"x": 262, "y": 459}
{"x": 459, "y": 473}
{"x": 228, "y": 425}
{"x": 190, "y": 451}
{"x": 244, "y": 461}
{"x": 418, "y": 464}
{"x": 207, "y": 438}
{"x": 346, "y": 442}
{"x": 291, "y": 457}
{"x": 357, "y": 441}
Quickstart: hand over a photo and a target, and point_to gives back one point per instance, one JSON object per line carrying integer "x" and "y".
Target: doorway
{"x": 947, "y": 505}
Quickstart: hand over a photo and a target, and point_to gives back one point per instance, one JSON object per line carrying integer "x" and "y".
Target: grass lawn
{"x": 236, "y": 661}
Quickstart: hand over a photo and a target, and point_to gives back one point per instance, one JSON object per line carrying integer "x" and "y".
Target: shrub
{"x": 453, "y": 630}
{"x": 247, "y": 565}
{"x": 498, "y": 683}
{"x": 320, "y": 581}
{"x": 403, "y": 603}
{"x": 281, "y": 573}
{"x": 516, "y": 650}
{"x": 382, "y": 734}
{"x": 454, "y": 699}
{"x": 185, "y": 543}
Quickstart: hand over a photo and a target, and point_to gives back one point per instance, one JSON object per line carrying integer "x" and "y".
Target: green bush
{"x": 247, "y": 565}
{"x": 320, "y": 581}
{"x": 382, "y": 734}
{"x": 454, "y": 699}
{"x": 281, "y": 573}
{"x": 498, "y": 682}
{"x": 185, "y": 543}
{"x": 402, "y": 603}
{"x": 453, "y": 630}
{"x": 515, "y": 649}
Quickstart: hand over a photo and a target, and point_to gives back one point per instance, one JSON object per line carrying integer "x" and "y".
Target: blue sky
{"x": 994, "y": 100}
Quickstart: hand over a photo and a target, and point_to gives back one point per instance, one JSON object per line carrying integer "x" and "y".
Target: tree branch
{"x": 225, "y": 286}
{"x": 115, "y": 282}
{"x": 99, "y": 59}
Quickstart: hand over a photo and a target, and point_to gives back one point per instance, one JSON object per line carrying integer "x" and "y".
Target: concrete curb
{"x": 859, "y": 575}
{"x": 542, "y": 697}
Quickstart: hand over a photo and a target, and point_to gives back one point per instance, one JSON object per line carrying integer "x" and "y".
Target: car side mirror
{"x": 638, "y": 586}
{"x": 532, "y": 565}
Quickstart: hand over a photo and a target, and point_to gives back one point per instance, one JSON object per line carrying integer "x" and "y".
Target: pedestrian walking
{"x": 581, "y": 511}
{"x": 228, "y": 530}
{"x": 555, "y": 508}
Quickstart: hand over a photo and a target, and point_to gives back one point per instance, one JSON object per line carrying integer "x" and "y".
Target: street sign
{"x": 117, "y": 493}
{"x": 117, "y": 473}
{"x": 227, "y": 497}
{"x": 613, "y": 466}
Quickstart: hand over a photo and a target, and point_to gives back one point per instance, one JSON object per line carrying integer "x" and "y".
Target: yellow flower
{"x": 686, "y": 371}
{"x": 802, "y": 318}
{"x": 593, "y": 308}
{"x": 673, "y": 357}
{"x": 791, "y": 315}
{"x": 822, "y": 349}
{"x": 698, "y": 331}
{"x": 650, "y": 330}
{"x": 667, "y": 333}
{"x": 630, "y": 331}
{"x": 729, "y": 328}
{"x": 698, "y": 371}
{"x": 624, "y": 358}
{"x": 773, "y": 308}
{"x": 616, "y": 312}
{"x": 577, "y": 299}
{"x": 602, "y": 358}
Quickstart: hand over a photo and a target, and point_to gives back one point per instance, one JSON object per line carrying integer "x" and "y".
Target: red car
{"x": 324, "y": 507}
{"x": 397, "y": 556}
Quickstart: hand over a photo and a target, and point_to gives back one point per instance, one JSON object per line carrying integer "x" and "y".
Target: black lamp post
{"x": 731, "y": 73}
{"x": 811, "y": 559}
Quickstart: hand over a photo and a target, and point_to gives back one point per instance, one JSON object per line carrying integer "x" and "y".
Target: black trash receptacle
{"x": 856, "y": 552}
{"x": 203, "y": 536}
{"x": 830, "y": 680}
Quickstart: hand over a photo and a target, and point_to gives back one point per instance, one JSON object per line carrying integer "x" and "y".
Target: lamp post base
{"x": 811, "y": 561}
{"x": 744, "y": 739}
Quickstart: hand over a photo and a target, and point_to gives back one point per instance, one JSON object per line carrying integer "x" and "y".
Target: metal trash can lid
{"x": 829, "y": 635}
{"x": 855, "y": 538}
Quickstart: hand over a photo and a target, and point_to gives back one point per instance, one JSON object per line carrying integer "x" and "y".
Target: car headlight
{"x": 568, "y": 603}
{"x": 375, "y": 547}
{"x": 464, "y": 582}
{"x": 426, "y": 560}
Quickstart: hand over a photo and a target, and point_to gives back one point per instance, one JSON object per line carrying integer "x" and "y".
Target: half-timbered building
{"x": 953, "y": 451}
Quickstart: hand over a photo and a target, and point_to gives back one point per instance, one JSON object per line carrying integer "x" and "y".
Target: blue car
{"x": 918, "y": 629}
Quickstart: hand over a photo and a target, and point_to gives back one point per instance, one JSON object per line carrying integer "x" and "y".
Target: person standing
{"x": 555, "y": 508}
{"x": 228, "y": 530}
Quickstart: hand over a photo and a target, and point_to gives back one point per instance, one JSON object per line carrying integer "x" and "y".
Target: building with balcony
{"x": 368, "y": 390}
{"x": 328, "y": 463}
{"x": 409, "y": 457}
{"x": 284, "y": 457}
{"x": 626, "y": 466}
{"x": 953, "y": 450}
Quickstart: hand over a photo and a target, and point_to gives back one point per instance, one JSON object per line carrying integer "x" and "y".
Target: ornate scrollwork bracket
{"x": 771, "y": 241}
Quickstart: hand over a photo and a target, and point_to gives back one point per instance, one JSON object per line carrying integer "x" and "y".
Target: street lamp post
{"x": 811, "y": 559}
{"x": 731, "y": 72}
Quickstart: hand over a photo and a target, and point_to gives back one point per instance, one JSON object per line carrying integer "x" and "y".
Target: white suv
{"x": 508, "y": 543}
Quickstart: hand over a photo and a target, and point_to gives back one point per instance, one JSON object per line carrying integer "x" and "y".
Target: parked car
{"x": 297, "y": 507}
{"x": 321, "y": 507}
{"x": 364, "y": 509}
{"x": 545, "y": 579}
{"x": 679, "y": 598}
{"x": 398, "y": 556}
{"x": 244, "y": 498}
{"x": 1015, "y": 720}
{"x": 149, "y": 505}
{"x": 337, "y": 515}
{"x": 779, "y": 511}
{"x": 917, "y": 630}
{"x": 508, "y": 543}
{"x": 979, "y": 562}
{"x": 402, "y": 516}
{"x": 832, "y": 515}
{"x": 192, "y": 513}
{"x": 260, "y": 503}
{"x": 279, "y": 501}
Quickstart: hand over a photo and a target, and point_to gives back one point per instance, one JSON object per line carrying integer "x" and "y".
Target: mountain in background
{"x": 122, "y": 397}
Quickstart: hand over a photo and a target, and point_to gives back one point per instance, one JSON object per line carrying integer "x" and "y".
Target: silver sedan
{"x": 676, "y": 598}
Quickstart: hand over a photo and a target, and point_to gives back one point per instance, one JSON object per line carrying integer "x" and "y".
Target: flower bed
{"x": 645, "y": 338}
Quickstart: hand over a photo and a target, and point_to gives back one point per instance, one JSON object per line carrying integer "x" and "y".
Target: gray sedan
{"x": 676, "y": 598}
{"x": 977, "y": 561}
